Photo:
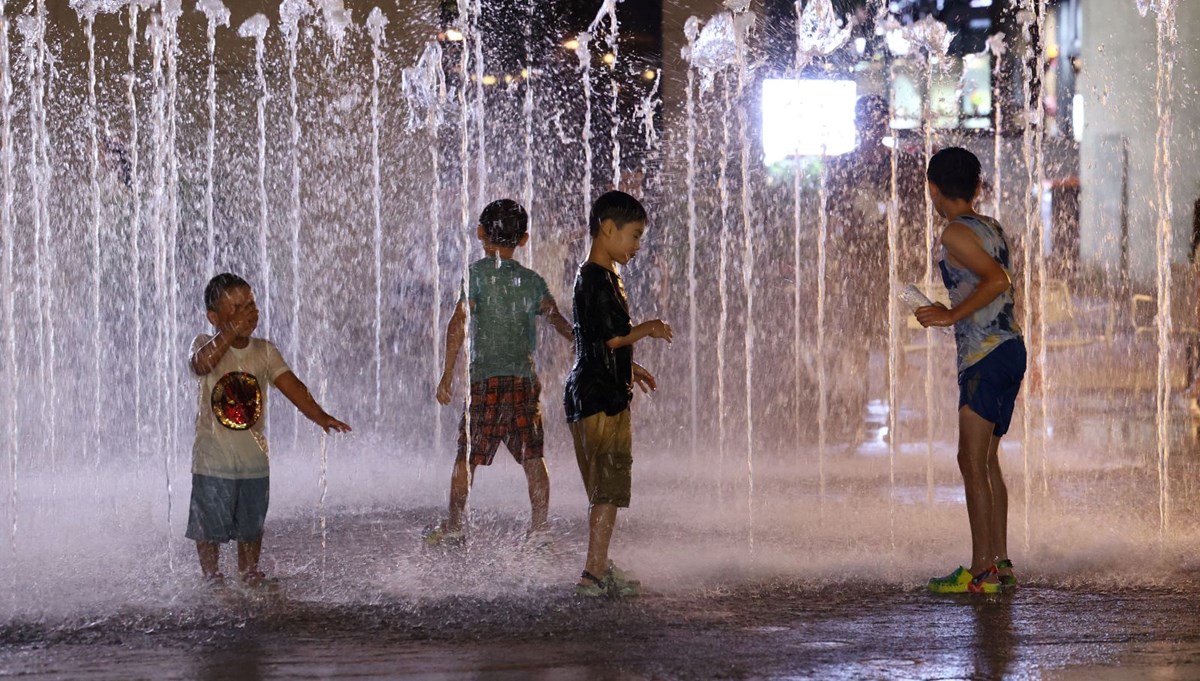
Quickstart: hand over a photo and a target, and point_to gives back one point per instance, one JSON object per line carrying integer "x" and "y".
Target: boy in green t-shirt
{"x": 504, "y": 300}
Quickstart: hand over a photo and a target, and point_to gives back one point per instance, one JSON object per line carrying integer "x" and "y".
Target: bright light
{"x": 489, "y": 80}
{"x": 610, "y": 58}
{"x": 649, "y": 74}
{"x": 525, "y": 74}
{"x": 860, "y": 45}
{"x": 571, "y": 44}
{"x": 454, "y": 35}
{"x": 897, "y": 44}
{"x": 807, "y": 118}
{"x": 508, "y": 78}
{"x": 1077, "y": 116}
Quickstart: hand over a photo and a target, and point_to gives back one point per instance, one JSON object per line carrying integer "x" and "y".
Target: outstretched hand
{"x": 329, "y": 423}
{"x": 644, "y": 379}
{"x": 661, "y": 329}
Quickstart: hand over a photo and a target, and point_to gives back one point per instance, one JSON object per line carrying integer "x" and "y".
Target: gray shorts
{"x": 222, "y": 509}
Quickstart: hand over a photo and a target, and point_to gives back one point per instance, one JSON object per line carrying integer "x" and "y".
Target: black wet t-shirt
{"x": 602, "y": 378}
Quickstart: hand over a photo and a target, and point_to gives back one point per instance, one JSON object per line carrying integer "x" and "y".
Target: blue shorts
{"x": 990, "y": 386}
{"x": 222, "y": 509}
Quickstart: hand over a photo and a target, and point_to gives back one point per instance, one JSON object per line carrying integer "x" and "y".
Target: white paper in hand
{"x": 912, "y": 296}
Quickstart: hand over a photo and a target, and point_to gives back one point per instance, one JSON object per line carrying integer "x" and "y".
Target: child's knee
{"x": 972, "y": 462}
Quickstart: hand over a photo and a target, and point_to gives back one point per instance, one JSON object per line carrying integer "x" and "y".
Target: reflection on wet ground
{"x": 388, "y": 607}
{"x": 772, "y": 630}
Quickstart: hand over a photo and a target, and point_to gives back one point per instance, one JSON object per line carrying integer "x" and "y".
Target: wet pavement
{"x": 385, "y": 606}
{"x": 766, "y": 631}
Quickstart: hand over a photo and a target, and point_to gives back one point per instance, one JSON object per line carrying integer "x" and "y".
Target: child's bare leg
{"x": 210, "y": 558}
{"x": 601, "y": 519}
{"x": 539, "y": 493}
{"x": 974, "y": 441}
{"x": 460, "y": 487}
{"x": 999, "y": 513}
{"x": 248, "y": 553}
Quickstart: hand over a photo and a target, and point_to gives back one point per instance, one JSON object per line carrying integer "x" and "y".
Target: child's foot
{"x": 538, "y": 540}
{"x": 961, "y": 581}
{"x": 622, "y": 583}
{"x": 954, "y": 583}
{"x": 437, "y": 535}
{"x": 215, "y": 581}
{"x": 986, "y": 582}
{"x": 591, "y": 586}
{"x": 259, "y": 581}
{"x": 616, "y": 583}
{"x": 1008, "y": 580}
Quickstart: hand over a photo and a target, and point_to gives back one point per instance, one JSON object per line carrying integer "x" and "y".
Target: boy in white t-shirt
{"x": 230, "y": 470}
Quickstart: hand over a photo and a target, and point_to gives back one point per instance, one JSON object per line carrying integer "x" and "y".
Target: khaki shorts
{"x": 604, "y": 450}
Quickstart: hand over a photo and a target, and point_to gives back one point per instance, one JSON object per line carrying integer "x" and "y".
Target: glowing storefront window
{"x": 807, "y": 118}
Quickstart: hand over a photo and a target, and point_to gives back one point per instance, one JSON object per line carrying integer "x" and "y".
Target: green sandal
{"x": 961, "y": 581}
{"x": 592, "y": 587}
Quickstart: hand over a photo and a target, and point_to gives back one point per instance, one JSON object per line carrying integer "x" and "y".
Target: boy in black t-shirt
{"x": 599, "y": 388}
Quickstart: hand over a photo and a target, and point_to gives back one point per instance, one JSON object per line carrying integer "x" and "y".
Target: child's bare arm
{"x": 555, "y": 318}
{"x": 207, "y": 356}
{"x": 243, "y": 324}
{"x": 655, "y": 328}
{"x": 962, "y": 245}
{"x": 296, "y": 392}
{"x": 456, "y": 333}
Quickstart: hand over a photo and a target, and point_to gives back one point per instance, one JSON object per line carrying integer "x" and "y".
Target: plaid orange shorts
{"x": 502, "y": 409}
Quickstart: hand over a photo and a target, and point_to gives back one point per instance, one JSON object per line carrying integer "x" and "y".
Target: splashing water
{"x": 217, "y": 15}
{"x": 612, "y": 40}
{"x": 817, "y": 31}
{"x": 714, "y": 50}
{"x": 256, "y": 27}
{"x": 584, "y": 55}
{"x": 744, "y": 24}
{"x": 376, "y": 23}
{"x": 1165, "y": 48}
{"x": 207, "y": 175}
{"x": 692, "y": 31}
{"x": 337, "y": 22}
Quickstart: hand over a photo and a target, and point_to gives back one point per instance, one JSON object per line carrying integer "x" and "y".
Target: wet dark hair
{"x": 617, "y": 206}
{"x": 218, "y": 285}
{"x": 955, "y": 171}
{"x": 504, "y": 222}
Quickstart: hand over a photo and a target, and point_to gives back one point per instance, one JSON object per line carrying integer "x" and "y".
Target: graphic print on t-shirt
{"x": 237, "y": 400}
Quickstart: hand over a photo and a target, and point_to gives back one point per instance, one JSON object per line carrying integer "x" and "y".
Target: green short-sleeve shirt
{"x": 506, "y": 299}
